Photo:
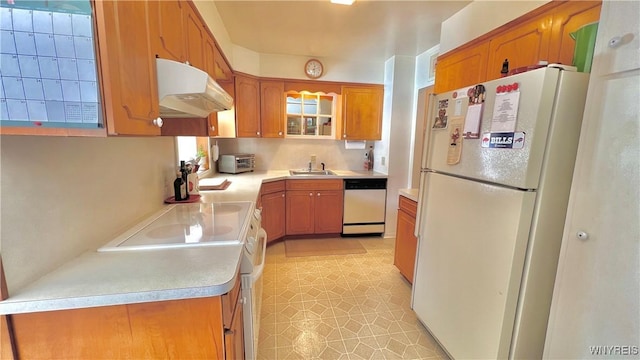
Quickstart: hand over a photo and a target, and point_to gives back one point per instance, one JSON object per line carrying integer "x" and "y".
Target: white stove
{"x": 184, "y": 225}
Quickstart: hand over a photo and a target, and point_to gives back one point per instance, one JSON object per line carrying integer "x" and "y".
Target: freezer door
{"x": 550, "y": 107}
{"x": 471, "y": 252}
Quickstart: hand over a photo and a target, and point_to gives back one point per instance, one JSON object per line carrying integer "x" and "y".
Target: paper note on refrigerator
{"x": 505, "y": 112}
{"x": 472, "y": 122}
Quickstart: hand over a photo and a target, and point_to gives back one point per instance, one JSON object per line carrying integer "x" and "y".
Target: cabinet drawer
{"x": 271, "y": 187}
{"x": 333, "y": 184}
{"x": 229, "y": 301}
{"x": 408, "y": 205}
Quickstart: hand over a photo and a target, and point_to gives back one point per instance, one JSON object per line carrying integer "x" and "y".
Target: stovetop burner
{"x": 187, "y": 225}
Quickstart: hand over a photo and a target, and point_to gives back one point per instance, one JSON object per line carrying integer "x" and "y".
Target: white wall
{"x": 480, "y": 17}
{"x": 62, "y": 196}
{"x": 291, "y": 67}
{"x": 284, "y": 66}
{"x": 397, "y": 130}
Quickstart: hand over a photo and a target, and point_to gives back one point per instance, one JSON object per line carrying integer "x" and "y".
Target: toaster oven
{"x": 236, "y": 163}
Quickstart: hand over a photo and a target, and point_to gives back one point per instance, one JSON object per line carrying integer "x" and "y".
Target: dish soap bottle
{"x": 370, "y": 157}
{"x": 179, "y": 188}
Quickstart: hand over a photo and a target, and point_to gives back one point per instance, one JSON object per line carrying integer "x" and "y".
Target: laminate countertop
{"x": 411, "y": 194}
{"x": 124, "y": 277}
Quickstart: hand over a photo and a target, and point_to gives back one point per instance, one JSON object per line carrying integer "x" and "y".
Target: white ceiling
{"x": 369, "y": 30}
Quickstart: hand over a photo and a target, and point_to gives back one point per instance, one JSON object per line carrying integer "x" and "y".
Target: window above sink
{"x": 310, "y": 115}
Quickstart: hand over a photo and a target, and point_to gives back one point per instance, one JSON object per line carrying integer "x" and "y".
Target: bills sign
{"x": 503, "y": 140}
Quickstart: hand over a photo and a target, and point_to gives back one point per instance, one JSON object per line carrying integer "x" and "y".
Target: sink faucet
{"x": 322, "y": 166}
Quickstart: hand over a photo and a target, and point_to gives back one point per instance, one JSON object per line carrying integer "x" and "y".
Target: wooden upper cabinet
{"x": 523, "y": 45}
{"x": 272, "y": 108}
{"x": 542, "y": 34}
{"x": 128, "y": 67}
{"x": 247, "y": 105}
{"x": 167, "y": 19}
{"x": 362, "y": 112}
{"x": 222, "y": 71}
{"x": 209, "y": 67}
{"x": 462, "y": 68}
{"x": 568, "y": 18}
{"x": 196, "y": 35}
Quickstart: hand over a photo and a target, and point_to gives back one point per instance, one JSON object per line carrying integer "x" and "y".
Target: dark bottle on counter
{"x": 179, "y": 188}
{"x": 184, "y": 174}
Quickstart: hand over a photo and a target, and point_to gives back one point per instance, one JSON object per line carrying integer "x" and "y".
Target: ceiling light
{"x": 343, "y": 2}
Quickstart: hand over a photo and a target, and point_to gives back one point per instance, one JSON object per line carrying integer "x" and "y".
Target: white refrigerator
{"x": 496, "y": 172}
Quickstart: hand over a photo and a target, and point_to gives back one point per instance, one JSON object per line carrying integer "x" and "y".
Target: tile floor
{"x": 340, "y": 307}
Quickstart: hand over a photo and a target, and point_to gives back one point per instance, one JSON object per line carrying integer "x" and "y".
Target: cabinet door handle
{"x": 318, "y": 194}
{"x": 310, "y": 194}
{"x": 282, "y": 195}
{"x": 279, "y": 133}
{"x": 158, "y": 122}
{"x": 258, "y": 133}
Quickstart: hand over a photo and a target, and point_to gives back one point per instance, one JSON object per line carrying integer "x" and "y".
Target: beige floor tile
{"x": 341, "y": 307}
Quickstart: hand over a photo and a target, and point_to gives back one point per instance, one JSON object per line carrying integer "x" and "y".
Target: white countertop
{"x": 115, "y": 278}
{"x": 411, "y": 194}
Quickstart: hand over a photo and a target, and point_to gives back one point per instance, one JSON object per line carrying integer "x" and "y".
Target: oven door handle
{"x": 257, "y": 270}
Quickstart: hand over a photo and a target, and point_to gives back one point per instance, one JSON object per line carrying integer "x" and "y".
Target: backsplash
{"x": 62, "y": 196}
{"x": 279, "y": 154}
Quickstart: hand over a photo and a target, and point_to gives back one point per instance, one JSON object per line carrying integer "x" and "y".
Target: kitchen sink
{"x": 303, "y": 172}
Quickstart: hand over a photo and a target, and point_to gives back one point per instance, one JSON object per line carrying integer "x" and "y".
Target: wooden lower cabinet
{"x": 314, "y": 206}
{"x": 176, "y": 329}
{"x": 232, "y": 318}
{"x": 272, "y": 197}
{"x": 300, "y": 212}
{"x": 234, "y": 336}
{"x": 406, "y": 242}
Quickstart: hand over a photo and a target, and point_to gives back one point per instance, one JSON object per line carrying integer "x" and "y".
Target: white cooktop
{"x": 183, "y": 225}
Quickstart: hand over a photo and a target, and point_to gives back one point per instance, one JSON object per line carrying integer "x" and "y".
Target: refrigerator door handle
{"x": 421, "y": 200}
{"x": 426, "y": 143}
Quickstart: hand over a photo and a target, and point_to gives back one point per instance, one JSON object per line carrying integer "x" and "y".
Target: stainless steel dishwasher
{"x": 364, "y": 206}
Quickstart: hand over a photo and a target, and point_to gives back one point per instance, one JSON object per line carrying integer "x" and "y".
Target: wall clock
{"x": 313, "y": 68}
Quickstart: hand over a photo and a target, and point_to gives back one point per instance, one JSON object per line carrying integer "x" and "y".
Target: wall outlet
{"x": 383, "y": 160}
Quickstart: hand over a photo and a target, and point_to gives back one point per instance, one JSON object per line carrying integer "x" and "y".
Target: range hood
{"x": 188, "y": 92}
